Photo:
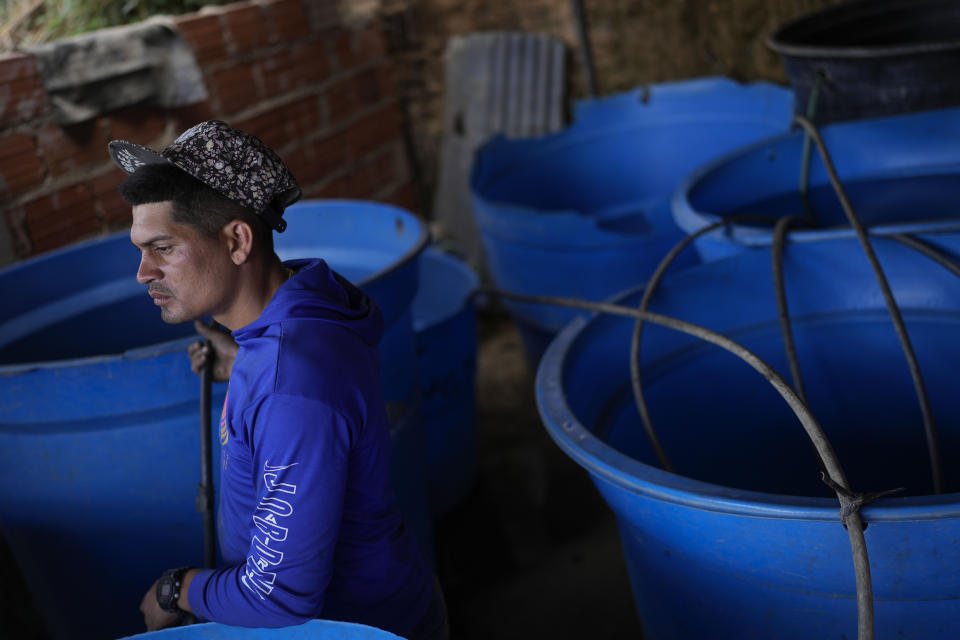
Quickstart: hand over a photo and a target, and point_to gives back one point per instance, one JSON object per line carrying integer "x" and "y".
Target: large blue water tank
{"x": 99, "y": 424}
{"x": 744, "y": 540}
{"x": 901, "y": 173}
{"x": 313, "y": 630}
{"x": 379, "y": 246}
{"x": 585, "y": 213}
{"x": 445, "y": 323}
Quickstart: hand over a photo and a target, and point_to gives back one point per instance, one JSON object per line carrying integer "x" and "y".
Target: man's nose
{"x": 147, "y": 272}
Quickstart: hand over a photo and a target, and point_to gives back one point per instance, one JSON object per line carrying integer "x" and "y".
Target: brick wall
{"x": 320, "y": 93}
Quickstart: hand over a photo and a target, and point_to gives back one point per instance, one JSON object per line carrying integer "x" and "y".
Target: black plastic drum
{"x": 873, "y": 58}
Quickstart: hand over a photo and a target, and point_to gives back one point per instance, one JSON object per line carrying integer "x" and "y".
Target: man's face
{"x": 187, "y": 273}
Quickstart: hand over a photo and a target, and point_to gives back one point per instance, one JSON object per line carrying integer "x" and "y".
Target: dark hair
{"x": 194, "y": 203}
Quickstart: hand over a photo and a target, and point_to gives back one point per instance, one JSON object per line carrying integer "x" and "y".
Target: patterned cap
{"x": 232, "y": 162}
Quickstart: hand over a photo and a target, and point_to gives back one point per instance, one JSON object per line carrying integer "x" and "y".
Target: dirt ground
{"x": 533, "y": 552}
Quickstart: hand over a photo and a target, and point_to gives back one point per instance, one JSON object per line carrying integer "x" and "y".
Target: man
{"x": 308, "y": 525}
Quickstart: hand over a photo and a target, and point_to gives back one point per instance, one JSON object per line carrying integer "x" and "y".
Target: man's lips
{"x": 159, "y": 298}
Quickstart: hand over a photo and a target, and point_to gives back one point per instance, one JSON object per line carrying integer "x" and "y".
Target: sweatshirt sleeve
{"x": 300, "y": 453}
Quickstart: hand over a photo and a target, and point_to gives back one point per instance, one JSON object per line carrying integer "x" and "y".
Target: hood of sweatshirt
{"x": 317, "y": 293}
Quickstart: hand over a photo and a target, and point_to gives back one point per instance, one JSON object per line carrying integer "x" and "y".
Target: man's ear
{"x": 239, "y": 240}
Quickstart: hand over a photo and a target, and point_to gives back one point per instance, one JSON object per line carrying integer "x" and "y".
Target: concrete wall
{"x": 289, "y": 71}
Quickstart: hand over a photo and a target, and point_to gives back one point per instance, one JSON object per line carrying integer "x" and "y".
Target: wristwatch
{"x": 168, "y": 589}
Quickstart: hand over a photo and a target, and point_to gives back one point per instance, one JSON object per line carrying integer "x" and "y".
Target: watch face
{"x": 165, "y": 589}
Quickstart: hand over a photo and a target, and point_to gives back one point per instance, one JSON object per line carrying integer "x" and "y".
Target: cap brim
{"x": 130, "y": 156}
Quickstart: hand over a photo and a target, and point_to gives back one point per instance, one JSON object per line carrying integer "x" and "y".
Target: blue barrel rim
{"x": 582, "y": 129}
{"x": 603, "y": 461}
{"x": 481, "y": 177}
{"x": 137, "y": 353}
{"x": 462, "y": 268}
{"x": 691, "y": 220}
{"x": 411, "y": 254}
{"x": 305, "y": 630}
{"x": 160, "y": 348}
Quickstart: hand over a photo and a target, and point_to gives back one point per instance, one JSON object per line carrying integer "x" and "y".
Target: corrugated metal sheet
{"x": 498, "y": 82}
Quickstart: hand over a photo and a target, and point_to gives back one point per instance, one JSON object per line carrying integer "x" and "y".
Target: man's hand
{"x": 155, "y": 617}
{"x": 224, "y": 350}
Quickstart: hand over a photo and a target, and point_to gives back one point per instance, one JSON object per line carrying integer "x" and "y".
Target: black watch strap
{"x": 168, "y": 589}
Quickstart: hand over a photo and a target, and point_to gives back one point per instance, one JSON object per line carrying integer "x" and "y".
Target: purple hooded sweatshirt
{"x": 308, "y": 523}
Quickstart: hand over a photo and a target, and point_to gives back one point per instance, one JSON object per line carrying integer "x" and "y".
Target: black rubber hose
{"x": 783, "y": 311}
{"x": 205, "y": 499}
{"x": 933, "y": 445}
{"x": 636, "y": 381}
{"x": 854, "y": 523}
{"x": 928, "y": 250}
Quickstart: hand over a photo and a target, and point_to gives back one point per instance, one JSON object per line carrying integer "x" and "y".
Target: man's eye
{"x": 162, "y": 249}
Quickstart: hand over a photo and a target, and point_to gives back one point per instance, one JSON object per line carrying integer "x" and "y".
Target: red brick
{"x": 368, "y": 43}
{"x": 289, "y": 19}
{"x": 367, "y": 87}
{"x": 323, "y": 13}
{"x": 312, "y": 162}
{"x": 387, "y": 85}
{"x": 404, "y": 172}
{"x": 374, "y": 130}
{"x": 246, "y": 25}
{"x": 65, "y": 149}
{"x": 270, "y": 126}
{"x": 20, "y": 168}
{"x": 14, "y": 66}
{"x": 383, "y": 169}
{"x": 354, "y": 48}
{"x": 298, "y": 160}
{"x": 294, "y": 68}
{"x": 275, "y": 71}
{"x": 376, "y": 175}
{"x": 186, "y": 117}
{"x": 60, "y": 218}
{"x": 329, "y": 155}
{"x": 343, "y": 49}
{"x": 406, "y": 197}
{"x": 22, "y": 96}
{"x": 344, "y": 186}
{"x": 204, "y": 35}
{"x": 143, "y": 125}
{"x": 106, "y": 182}
{"x": 235, "y": 88}
{"x": 314, "y": 192}
{"x": 304, "y": 116}
{"x": 112, "y": 209}
{"x": 311, "y": 61}
{"x": 341, "y": 100}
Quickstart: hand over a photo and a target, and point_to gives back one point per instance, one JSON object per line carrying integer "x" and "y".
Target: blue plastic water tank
{"x": 378, "y": 246}
{"x": 585, "y": 213}
{"x": 744, "y": 541}
{"x": 902, "y": 174}
{"x": 99, "y": 426}
{"x": 313, "y": 630}
{"x": 444, "y": 320}
{"x": 99, "y": 437}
